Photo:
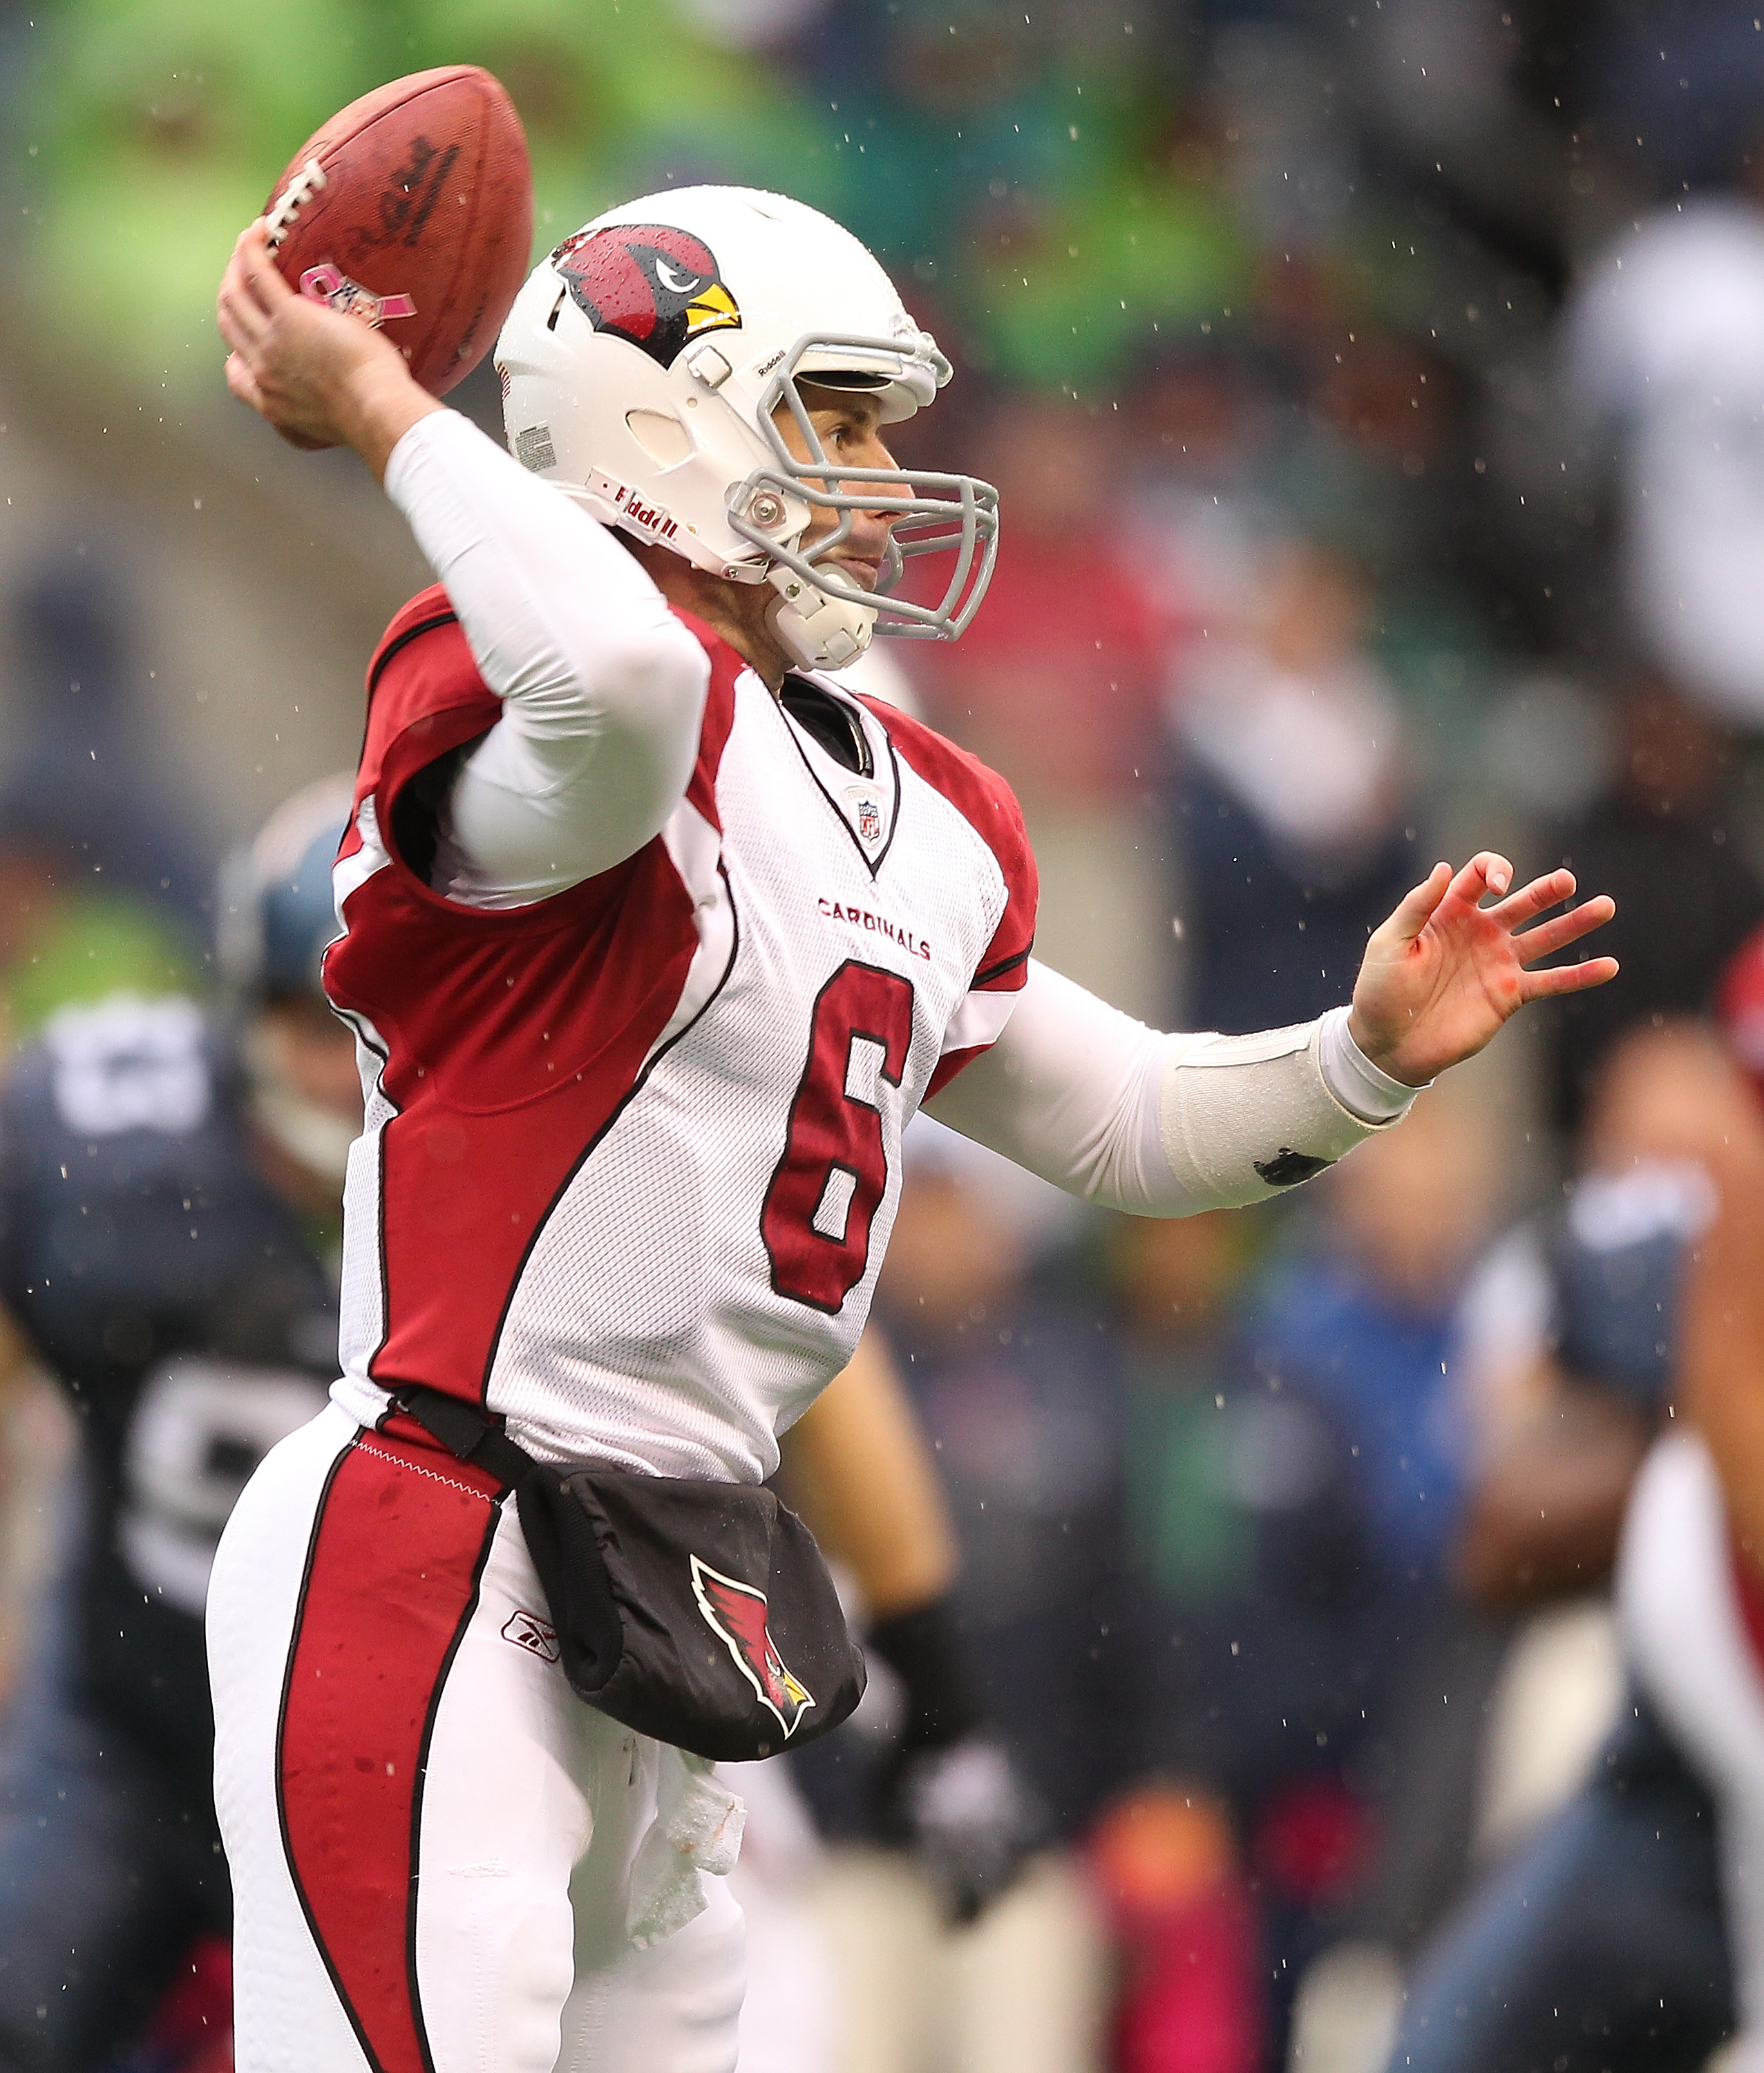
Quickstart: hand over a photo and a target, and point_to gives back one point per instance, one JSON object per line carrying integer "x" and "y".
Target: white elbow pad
{"x": 1243, "y": 1118}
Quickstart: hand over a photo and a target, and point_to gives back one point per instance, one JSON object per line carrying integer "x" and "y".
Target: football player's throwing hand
{"x": 1444, "y": 973}
{"x": 321, "y": 378}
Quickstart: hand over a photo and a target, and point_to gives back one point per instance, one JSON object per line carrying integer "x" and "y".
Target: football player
{"x": 169, "y": 1196}
{"x": 655, "y": 937}
{"x": 165, "y": 1193}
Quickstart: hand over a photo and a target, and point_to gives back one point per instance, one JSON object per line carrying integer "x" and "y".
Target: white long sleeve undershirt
{"x": 603, "y": 688}
{"x": 1130, "y": 1119}
{"x": 603, "y": 693}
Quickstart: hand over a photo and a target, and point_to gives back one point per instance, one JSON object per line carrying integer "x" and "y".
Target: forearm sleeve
{"x": 603, "y": 687}
{"x": 1164, "y": 1126}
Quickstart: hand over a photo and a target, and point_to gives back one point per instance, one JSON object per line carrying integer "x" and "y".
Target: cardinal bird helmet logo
{"x": 735, "y": 1614}
{"x": 656, "y": 286}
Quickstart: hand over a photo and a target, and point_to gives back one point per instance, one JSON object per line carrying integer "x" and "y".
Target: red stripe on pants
{"x": 401, "y": 1537}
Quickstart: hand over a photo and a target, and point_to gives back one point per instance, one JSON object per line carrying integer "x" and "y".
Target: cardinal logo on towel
{"x": 735, "y": 1614}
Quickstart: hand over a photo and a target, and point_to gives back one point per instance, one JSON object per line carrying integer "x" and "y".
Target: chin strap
{"x": 817, "y": 632}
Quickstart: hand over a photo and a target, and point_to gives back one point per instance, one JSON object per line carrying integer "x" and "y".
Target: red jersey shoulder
{"x": 425, "y": 697}
{"x": 989, "y": 806}
{"x": 491, "y": 1005}
{"x": 726, "y": 665}
{"x": 428, "y": 608}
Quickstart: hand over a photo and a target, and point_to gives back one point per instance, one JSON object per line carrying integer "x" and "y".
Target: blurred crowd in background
{"x": 1375, "y": 390}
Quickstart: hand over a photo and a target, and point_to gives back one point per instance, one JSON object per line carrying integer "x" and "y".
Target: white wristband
{"x": 1362, "y": 1088}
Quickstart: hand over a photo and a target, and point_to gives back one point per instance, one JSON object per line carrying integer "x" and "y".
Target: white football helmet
{"x": 641, "y": 367}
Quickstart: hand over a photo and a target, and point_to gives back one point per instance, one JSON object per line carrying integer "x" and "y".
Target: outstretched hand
{"x": 1442, "y": 974}
{"x": 321, "y": 378}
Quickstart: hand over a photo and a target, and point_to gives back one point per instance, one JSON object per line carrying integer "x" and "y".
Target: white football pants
{"x": 428, "y": 1834}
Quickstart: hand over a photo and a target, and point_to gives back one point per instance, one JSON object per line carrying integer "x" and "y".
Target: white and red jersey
{"x": 632, "y": 1152}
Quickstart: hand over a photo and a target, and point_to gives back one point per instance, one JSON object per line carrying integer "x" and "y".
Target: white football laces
{"x": 300, "y": 190}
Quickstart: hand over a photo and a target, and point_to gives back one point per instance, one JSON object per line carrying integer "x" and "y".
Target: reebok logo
{"x": 534, "y": 1635}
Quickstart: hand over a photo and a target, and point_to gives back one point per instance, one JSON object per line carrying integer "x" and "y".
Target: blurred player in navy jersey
{"x": 169, "y": 1190}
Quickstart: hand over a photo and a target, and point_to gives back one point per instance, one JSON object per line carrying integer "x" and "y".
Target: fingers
{"x": 258, "y": 262}
{"x": 1549, "y": 891}
{"x": 1417, "y": 907}
{"x": 1489, "y": 872}
{"x": 1548, "y": 936}
{"x": 238, "y": 308}
{"x": 236, "y": 278}
{"x": 1567, "y": 978}
{"x": 1486, "y": 872}
{"x": 241, "y": 326}
{"x": 252, "y": 292}
{"x": 243, "y": 382}
{"x": 304, "y": 441}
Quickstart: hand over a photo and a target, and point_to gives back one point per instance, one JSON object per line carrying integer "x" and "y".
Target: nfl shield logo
{"x": 869, "y": 821}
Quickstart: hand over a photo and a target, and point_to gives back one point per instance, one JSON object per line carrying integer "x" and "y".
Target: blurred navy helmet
{"x": 1618, "y": 1255}
{"x": 275, "y": 912}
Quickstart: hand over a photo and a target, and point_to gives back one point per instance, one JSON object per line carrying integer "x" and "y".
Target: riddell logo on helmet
{"x": 657, "y": 287}
{"x": 651, "y": 517}
{"x": 637, "y": 511}
{"x": 634, "y": 508}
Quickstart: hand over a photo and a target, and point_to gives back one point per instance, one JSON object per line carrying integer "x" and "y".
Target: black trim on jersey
{"x": 318, "y": 1943}
{"x": 379, "y": 1248}
{"x": 473, "y": 1598}
{"x": 360, "y": 1026}
{"x": 811, "y": 707}
{"x": 358, "y": 1023}
{"x": 593, "y": 1143}
{"x": 397, "y": 645}
{"x": 998, "y": 970}
{"x": 900, "y": 802}
{"x": 378, "y": 670}
{"x": 408, "y": 829}
{"x": 412, "y": 829}
{"x": 838, "y": 812}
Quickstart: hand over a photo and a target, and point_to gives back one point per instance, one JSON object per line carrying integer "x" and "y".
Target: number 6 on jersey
{"x": 826, "y": 1191}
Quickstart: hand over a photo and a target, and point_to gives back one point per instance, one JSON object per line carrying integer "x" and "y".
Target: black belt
{"x": 696, "y": 1612}
{"x": 468, "y": 1434}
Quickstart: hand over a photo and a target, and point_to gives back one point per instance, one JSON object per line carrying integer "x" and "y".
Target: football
{"x": 412, "y": 208}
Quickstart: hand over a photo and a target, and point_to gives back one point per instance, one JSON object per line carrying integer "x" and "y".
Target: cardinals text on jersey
{"x": 632, "y": 1152}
